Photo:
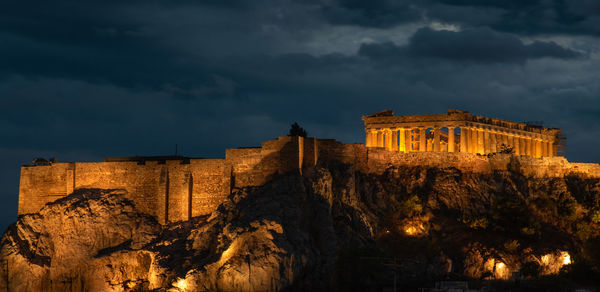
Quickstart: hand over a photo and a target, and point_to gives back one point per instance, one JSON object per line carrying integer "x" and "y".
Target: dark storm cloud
{"x": 94, "y": 42}
{"x": 506, "y": 4}
{"x": 155, "y": 44}
{"x": 532, "y": 17}
{"x": 375, "y": 13}
{"x": 476, "y": 45}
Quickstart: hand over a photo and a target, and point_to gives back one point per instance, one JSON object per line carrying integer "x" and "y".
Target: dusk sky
{"x": 81, "y": 80}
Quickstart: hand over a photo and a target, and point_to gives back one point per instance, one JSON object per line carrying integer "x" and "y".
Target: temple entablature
{"x": 459, "y": 131}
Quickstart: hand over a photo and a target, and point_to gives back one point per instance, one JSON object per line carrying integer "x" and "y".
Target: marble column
{"x": 493, "y": 142}
{"x": 531, "y": 147}
{"x": 402, "y": 146}
{"x": 550, "y": 149}
{"x": 379, "y": 139}
{"x": 387, "y": 139}
{"x": 486, "y": 142}
{"x": 436, "y": 139}
{"x": 544, "y": 146}
{"x": 516, "y": 146}
{"x": 505, "y": 139}
{"x": 395, "y": 140}
{"x": 373, "y": 138}
{"x": 474, "y": 141}
{"x": 408, "y": 141}
{"x": 538, "y": 148}
{"x": 480, "y": 142}
{"x": 422, "y": 140}
{"x": 451, "y": 144}
{"x": 463, "y": 140}
{"x": 469, "y": 139}
{"x": 522, "y": 146}
{"x": 368, "y": 138}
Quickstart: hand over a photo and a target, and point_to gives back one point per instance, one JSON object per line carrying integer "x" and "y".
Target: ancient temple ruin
{"x": 459, "y": 131}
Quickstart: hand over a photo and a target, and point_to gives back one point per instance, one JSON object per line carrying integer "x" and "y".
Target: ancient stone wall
{"x": 175, "y": 190}
{"x": 171, "y": 191}
{"x": 380, "y": 159}
{"x": 41, "y": 184}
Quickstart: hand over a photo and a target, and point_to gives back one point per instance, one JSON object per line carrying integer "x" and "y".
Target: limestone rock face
{"x": 330, "y": 228}
{"x": 64, "y": 245}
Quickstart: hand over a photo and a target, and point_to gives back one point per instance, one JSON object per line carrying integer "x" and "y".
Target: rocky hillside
{"x": 332, "y": 229}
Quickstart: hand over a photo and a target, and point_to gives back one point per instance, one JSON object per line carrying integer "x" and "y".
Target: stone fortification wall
{"x": 256, "y": 166}
{"x": 352, "y": 154}
{"x": 171, "y": 191}
{"x": 175, "y": 190}
{"x": 42, "y": 184}
{"x": 379, "y": 159}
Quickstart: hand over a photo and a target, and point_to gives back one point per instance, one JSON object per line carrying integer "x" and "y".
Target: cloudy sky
{"x": 81, "y": 80}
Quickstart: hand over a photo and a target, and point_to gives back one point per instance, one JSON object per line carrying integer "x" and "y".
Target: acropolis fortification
{"x": 177, "y": 188}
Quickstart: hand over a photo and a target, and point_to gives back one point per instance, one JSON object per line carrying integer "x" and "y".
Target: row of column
{"x": 485, "y": 141}
{"x": 472, "y": 140}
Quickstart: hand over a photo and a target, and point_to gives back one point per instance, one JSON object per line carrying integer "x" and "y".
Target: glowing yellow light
{"x": 414, "y": 229}
{"x": 546, "y": 259}
{"x": 566, "y": 258}
{"x": 181, "y": 284}
{"x": 411, "y": 230}
{"x": 501, "y": 271}
{"x": 229, "y": 252}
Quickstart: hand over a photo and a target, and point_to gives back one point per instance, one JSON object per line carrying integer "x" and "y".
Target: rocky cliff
{"x": 331, "y": 228}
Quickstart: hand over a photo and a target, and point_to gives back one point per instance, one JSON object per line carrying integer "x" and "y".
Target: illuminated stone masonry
{"x": 175, "y": 188}
{"x": 459, "y": 131}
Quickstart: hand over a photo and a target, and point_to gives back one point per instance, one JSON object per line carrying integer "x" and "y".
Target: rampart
{"x": 176, "y": 189}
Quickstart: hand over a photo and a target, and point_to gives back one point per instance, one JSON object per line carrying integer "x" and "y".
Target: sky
{"x": 82, "y": 80}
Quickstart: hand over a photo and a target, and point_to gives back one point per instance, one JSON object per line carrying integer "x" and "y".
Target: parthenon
{"x": 459, "y": 131}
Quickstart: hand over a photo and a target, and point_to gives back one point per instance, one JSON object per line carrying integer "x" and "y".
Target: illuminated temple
{"x": 459, "y": 131}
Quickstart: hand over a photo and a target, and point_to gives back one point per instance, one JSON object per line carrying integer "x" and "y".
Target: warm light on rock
{"x": 566, "y": 258}
{"x": 552, "y": 263}
{"x": 228, "y": 253}
{"x": 545, "y": 259}
{"x": 414, "y": 229}
{"x": 181, "y": 284}
{"x": 501, "y": 271}
{"x": 410, "y": 230}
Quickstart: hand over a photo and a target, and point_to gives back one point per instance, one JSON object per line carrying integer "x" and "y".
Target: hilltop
{"x": 337, "y": 225}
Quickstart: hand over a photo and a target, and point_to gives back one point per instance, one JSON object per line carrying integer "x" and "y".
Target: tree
{"x": 506, "y": 149}
{"x": 296, "y": 130}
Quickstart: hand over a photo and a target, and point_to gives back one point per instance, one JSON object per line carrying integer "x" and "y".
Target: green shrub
{"x": 595, "y": 217}
{"x": 583, "y": 230}
{"x": 476, "y": 223}
{"x": 567, "y": 209}
{"x": 411, "y": 207}
{"x": 509, "y": 213}
{"x": 533, "y": 228}
{"x": 511, "y": 246}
